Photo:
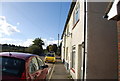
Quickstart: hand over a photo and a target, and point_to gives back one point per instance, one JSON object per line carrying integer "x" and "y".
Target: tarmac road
{"x": 50, "y": 67}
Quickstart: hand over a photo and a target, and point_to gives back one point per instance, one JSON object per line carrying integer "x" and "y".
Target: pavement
{"x": 59, "y": 72}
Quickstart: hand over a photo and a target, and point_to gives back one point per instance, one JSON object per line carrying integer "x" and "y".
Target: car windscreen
{"x": 50, "y": 55}
{"x": 12, "y": 66}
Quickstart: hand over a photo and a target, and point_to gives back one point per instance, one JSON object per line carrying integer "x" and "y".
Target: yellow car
{"x": 50, "y": 57}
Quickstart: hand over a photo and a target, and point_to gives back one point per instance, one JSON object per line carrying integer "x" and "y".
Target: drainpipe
{"x": 84, "y": 43}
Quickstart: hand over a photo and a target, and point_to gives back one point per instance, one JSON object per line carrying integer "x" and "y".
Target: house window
{"x": 67, "y": 53}
{"x": 76, "y": 14}
{"x": 73, "y": 56}
{"x": 68, "y": 30}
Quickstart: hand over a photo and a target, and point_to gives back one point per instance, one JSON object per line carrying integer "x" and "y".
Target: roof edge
{"x": 68, "y": 17}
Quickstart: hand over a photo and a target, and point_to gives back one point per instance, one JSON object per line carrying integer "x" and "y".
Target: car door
{"x": 44, "y": 71}
{"x": 34, "y": 71}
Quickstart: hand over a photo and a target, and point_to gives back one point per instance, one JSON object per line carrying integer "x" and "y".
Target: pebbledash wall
{"x": 99, "y": 44}
{"x": 102, "y": 45}
{"x": 113, "y": 14}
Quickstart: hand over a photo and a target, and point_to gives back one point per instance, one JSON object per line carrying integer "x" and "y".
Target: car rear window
{"x": 12, "y": 66}
{"x": 50, "y": 55}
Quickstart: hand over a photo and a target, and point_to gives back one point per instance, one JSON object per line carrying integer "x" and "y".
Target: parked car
{"x": 22, "y": 66}
{"x": 50, "y": 57}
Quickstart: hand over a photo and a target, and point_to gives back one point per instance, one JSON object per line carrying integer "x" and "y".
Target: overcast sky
{"x": 22, "y": 22}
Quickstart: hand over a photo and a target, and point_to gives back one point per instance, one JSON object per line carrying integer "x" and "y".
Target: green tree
{"x": 52, "y": 48}
{"x": 38, "y": 41}
{"x": 36, "y": 47}
{"x": 59, "y": 49}
{"x": 55, "y": 48}
{"x": 47, "y": 48}
{"x": 12, "y": 48}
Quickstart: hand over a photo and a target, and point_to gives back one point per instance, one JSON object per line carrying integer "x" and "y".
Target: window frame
{"x": 73, "y": 56}
{"x": 76, "y": 14}
{"x": 40, "y": 65}
{"x": 35, "y": 69}
{"x": 66, "y": 53}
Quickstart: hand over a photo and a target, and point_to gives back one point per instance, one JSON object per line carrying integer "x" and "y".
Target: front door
{"x": 80, "y": 61}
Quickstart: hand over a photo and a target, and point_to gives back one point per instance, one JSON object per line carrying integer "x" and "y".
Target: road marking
{"x": 49, "y": 70}
{"x": 51, "y": 73}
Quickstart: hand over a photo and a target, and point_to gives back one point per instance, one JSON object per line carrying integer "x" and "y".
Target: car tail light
{"x": 23, "y": 76}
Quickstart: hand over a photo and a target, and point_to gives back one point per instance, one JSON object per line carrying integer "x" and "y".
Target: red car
{"x": 22, "y": 66}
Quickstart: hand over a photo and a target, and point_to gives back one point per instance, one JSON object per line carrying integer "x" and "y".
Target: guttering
{"x": 85, "y": 31}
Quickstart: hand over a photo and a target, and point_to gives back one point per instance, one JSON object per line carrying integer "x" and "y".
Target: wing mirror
{"x": 45, "y": 66}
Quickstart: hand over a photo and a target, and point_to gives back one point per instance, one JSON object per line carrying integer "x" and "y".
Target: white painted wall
{"x": 76, "y": 39}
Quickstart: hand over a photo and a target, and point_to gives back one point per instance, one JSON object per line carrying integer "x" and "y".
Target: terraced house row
{"x": 90, "y": 42}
